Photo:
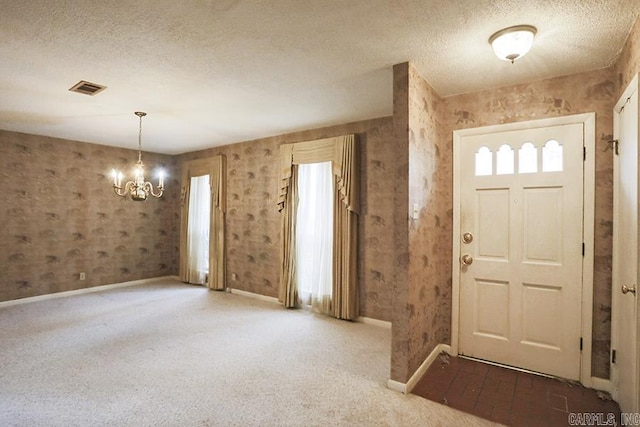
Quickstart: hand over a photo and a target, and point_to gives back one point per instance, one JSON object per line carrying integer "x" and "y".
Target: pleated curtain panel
{"x": 215, "y": 168}
{"x": 342, "y": 152}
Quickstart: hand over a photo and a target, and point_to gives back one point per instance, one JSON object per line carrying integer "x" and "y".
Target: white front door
{"x": 625, "y": 253}
{"x": 521, "y": 248}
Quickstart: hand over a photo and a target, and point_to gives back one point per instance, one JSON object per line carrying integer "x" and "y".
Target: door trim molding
{"x": 632, "y": 87}
{"x": 588, "y": 120}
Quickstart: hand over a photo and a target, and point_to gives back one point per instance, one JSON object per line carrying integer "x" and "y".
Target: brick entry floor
{"x": 510, "y": 397}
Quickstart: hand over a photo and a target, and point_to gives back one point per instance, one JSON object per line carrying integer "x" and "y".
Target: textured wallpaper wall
{"x": 60, "y": 217}
{"x": 628, "y": 64}
{"x": 422, "y": 304}
{"x": 253, "y": 221}
{"x": 422, "y": 311}
{"x": 400, "y": 315}
{"x": 430, "y": 239}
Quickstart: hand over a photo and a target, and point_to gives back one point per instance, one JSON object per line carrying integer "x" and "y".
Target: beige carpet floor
{"x": 169, "y": 354}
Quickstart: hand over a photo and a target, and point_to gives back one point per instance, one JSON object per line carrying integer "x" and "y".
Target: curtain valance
{"x": 339, "y": 150}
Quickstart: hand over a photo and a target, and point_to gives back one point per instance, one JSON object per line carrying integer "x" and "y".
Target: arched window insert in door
{"x": 214, "y": 167}
{"x": 342, "y": 152}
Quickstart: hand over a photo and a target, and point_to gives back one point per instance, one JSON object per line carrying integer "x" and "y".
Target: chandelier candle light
{"x": 138, "y": 189}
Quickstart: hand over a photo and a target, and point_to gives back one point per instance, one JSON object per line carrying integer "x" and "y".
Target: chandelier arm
{"x": 149, "y": 187}
{"x": 116, "y": 190}
{"x": 129, "y": 187}
{"x": 123, "y": 191}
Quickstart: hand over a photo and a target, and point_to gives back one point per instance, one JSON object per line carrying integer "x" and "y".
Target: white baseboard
{"x": 252, "y": 295}
{"x": 419, "y": 373}
{"x": 376, "y": 322}
{"x": 602, "y": 384}
{"x": 361, "y": 319}
{"x": 397, "y": 386}
{"x": 83, "y": 291}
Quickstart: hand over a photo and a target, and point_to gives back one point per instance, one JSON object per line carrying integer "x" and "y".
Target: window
{"x": 504, "y": 160}
{"x": 528, "y": 158}
{"x": 484, "y": 162}
{"x": 552, "y": 156}
{"x": 314, "y": 233}
{"x": 198, "y": 229}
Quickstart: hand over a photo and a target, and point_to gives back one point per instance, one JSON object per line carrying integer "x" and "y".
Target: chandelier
{"x": 138, "y": 189}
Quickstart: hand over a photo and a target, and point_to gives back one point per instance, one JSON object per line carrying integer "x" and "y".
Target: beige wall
{"x": 431, "y": 121}
{"x": 400, "y": 315}
{"x": 60, "y": 217}
{"x": 85, "y": 227}
{"x": 628, "y": 64}
{"x": 430, "y": 238}
{"x": 422, "y": 314}
{"x": 426, "y": 121}
{"x": 404, "y": 264}
{"x": 253, "y": 220}
{"x": 422, "y": 305}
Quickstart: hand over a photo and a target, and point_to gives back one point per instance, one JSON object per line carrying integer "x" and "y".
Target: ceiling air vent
{"x": 87, "y": 88}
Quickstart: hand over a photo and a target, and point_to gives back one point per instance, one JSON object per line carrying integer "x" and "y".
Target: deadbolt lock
{"x": 467, "y": 238}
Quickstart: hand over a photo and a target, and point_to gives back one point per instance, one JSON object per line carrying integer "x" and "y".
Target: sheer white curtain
{"x": 314, "y": 235}
{"x": 198, "y": 229}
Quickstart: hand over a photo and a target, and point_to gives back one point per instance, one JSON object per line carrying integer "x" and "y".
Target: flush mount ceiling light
{"x": 512, "y": 43}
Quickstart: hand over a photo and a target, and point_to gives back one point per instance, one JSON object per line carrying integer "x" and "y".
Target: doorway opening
{"x": 523, "y": 245}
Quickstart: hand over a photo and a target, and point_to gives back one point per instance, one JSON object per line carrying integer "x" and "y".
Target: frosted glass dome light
{"x": 512, "y": 43}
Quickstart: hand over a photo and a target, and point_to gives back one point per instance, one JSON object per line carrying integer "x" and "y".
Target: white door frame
{"x": 615, "y": 291}
{"x": 589, "y": 125}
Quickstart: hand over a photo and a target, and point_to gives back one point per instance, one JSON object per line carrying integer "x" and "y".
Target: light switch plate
{"x": 416, "y": 212}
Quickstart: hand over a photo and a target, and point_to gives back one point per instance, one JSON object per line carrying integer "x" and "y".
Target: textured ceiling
{"x": 214, "y": 72}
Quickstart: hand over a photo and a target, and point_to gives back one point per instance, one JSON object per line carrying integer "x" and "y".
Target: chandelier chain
{"x": 140, "y": 139}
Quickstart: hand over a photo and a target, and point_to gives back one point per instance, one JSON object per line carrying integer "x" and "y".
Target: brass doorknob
{"x": 466, "y": 259}
{"x": 626, "y": 289}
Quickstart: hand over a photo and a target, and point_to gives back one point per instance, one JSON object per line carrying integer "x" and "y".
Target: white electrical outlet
{"x": 82, "y": 276}
{"x": 234, "y": 276}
